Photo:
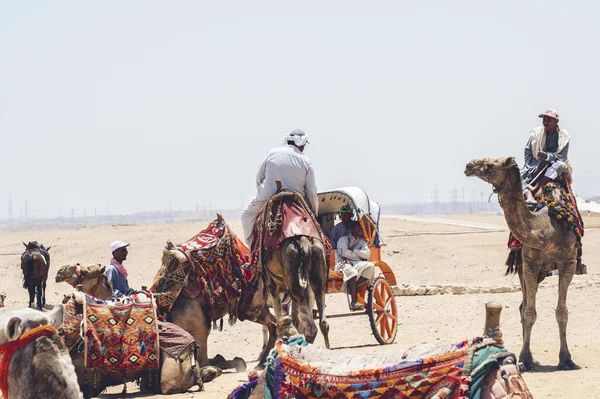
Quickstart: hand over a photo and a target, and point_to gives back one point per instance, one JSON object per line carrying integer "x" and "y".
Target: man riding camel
{"x": 289, "y": 165}
{"x": 548, "y": 148}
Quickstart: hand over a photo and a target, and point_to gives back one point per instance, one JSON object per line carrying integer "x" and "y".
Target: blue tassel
{"x": 142, "y": 348}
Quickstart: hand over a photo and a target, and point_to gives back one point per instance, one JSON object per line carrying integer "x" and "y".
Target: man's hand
{"x": 542, "y": 155}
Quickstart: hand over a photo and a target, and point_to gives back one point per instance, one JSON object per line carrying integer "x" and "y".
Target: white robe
{"x": 351, "y": 258}
{"x": 294, "y": 169}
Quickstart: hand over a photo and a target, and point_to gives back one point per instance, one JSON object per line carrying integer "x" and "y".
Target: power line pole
{"x": 454, "y": 198}
{"x": 436, "y": 198}
{"x": 10, "y": 219}
{"x": 26, "y": 211}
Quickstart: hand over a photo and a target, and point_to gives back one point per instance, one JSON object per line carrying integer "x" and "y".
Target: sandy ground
{"x": 419, "y": 253}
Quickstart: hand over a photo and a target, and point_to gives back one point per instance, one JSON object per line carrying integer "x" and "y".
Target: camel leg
{"x": 318, "y": 289}
{"x": 189, "y": 315}
{"x": 562, "y": 317}
{"x": 529, "y": 315}
{"x": 307, "y": 322}
{"x": 270, "y": 324}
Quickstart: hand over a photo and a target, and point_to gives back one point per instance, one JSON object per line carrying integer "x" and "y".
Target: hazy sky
{"x": 126, "y": 104}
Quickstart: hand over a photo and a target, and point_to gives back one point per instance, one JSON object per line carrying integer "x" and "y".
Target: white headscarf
{"x": 298, "y": 137}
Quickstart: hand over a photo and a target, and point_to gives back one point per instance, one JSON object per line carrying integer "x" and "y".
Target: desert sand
{"x": 421, "y": 252}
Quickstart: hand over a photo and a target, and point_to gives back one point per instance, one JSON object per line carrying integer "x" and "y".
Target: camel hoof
{"x": 528, "y": 365}
{"x": 568, "y": 365}
{"x": 259, "y": 367}
{"x": 209, "y": 373}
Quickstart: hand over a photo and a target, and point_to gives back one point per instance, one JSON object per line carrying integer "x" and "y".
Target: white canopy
{"x": 331, "y": 201}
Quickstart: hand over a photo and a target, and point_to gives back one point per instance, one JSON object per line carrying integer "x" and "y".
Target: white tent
{"x": 586, "y": 205}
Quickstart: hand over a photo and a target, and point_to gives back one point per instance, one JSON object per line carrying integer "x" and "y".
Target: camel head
{"x": 492, "y": 170}
{"x": 68, "y": 274}
{"x": 16, "y": 322}
{"x": 253, "y": 299}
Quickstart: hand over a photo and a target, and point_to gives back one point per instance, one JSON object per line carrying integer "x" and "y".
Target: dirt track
{"x": 419, "y": 253}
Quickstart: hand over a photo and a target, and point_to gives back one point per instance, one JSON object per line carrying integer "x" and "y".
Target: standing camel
{"x": 35, "y": 263}
{"x": 547, "y": 245}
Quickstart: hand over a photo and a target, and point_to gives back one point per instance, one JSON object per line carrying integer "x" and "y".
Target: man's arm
{"x": 343, "y": 251}
{"x": 559, "y": 156}
{"x": 311, "y": 189}
{"x": 362, "y": 251}
{"x": 262, "y": 171}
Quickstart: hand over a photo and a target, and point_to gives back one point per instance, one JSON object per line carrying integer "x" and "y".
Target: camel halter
{"x": 9, "y": 348}
{"x": 503, "y": 187}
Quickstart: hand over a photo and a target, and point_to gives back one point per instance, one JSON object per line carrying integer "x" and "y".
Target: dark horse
{"x": 35, "y": 263}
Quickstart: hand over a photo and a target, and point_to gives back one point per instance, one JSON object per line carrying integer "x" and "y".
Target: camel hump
{"x": 92, "y": 270}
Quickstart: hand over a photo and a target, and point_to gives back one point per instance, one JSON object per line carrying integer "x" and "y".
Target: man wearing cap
{"x": 546, "y": 154}
{"x": 115, "y": 271}
{"x": 342, "y": 228}
{"x": 289, "y": 165}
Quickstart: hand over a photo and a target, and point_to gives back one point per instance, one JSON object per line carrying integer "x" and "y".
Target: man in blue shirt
{"x": 115, "y": 271}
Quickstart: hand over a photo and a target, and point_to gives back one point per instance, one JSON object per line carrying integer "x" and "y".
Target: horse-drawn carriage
{"x": 378, "y": 297}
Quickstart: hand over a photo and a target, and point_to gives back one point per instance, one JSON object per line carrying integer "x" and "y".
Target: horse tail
{"x": 28, "y": 269}
{"x": 302, "y": 277}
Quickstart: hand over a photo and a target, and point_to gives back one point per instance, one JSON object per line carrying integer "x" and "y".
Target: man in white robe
{"x": 351, "y": 260}
{"x": 289, "y": 165}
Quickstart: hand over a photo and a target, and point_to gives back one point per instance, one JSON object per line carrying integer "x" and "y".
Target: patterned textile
{"x": 208, "y": 264}
{"x": 301, "y": 371}
{"x": 120, "y": 334}
{"x": 271, "y": 217}
{"x": 173, "y": 339}
{"x": 70, "y": 331}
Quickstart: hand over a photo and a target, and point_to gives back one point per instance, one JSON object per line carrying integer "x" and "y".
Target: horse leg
{"x": 31, "y": 289}
{"x": 562, "y": 316}
{"x": 44, "y": 294}
{"x": 38, "y": 294}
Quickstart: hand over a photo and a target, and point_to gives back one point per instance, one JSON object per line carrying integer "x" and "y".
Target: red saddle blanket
{"x": 285, "y": 215}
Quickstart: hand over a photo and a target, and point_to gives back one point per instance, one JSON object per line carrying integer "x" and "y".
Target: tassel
{"x": 143, "y": 348}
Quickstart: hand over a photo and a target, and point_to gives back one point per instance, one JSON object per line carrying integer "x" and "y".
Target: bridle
{"x": 502, "y": 188}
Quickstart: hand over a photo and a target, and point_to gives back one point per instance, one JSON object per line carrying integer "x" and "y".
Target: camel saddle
{"x": 285, "y": 215}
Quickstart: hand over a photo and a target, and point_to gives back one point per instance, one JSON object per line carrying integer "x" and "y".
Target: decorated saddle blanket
{"x": 208, "y": 264}
{"x": 121, "y": 333}
{"x": 298, "y": 370}
{"x": 286, "y": 214}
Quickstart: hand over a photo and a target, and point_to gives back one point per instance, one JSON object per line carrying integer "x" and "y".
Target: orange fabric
{"x": 7, "y": 350}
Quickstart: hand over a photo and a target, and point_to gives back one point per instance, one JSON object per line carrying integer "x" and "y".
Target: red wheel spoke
{"x": 378, "y": 307}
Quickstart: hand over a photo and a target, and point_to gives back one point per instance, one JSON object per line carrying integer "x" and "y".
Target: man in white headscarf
{"x": 548, "y": 144}
{"x": 289, "y": 165}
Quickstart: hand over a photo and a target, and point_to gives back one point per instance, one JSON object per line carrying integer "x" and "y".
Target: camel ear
{"x": 509, "y": 161}
{"x": 13, "y": 328}
{"x": 48, "y": 249}
{"x": 56, "y": 316}
{"x": 102, "y": 268}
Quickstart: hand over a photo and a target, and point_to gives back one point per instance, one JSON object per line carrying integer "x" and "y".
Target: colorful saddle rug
{"x": 209, "y": 264}
{"x": 121, "y": 333}
{"x": 298, "y": 370}
{"x": 286, "y": 214}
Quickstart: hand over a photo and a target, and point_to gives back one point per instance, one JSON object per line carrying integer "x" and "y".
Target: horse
{"x": 35, "y": 264}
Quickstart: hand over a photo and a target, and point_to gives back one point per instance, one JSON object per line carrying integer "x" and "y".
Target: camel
{"x": 39, "y": 365}
{"x": 295, "y": 258}
{"x": 89, "y": 279}
{"x": 35, "y": 263}
{"x": 546, "y": 246}
{"x": 299, "y": 262}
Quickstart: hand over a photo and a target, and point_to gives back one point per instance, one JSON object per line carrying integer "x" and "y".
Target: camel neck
{"x": 516, "y": 213}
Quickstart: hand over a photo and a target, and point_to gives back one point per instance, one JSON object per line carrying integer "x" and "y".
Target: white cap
{"x": 117, "y": 244}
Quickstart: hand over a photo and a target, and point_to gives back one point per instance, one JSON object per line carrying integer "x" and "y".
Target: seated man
{"x": 548, "y": 147}
{"x": 115, "y": 271}
{"x": 342, "y": 228}
{"x": 351, "y": 259}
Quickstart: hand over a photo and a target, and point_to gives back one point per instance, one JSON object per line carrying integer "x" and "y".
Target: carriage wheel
{"x": 381, "y": 307}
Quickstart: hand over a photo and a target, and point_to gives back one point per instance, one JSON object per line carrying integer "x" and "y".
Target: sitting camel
{"x": 35, "y": 362}
{"x": 89, "y": 279}
{"x": 547, "y": 245}
{"x": 35, "y": 263}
